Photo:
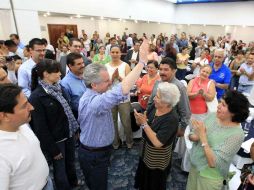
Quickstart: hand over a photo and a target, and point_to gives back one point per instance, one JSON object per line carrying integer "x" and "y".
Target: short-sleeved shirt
{"x": 222, "y": 76}
{"x": 165, "y": 127}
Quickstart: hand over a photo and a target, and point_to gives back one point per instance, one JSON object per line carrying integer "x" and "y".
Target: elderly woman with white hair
{"x": 159, "y": 134}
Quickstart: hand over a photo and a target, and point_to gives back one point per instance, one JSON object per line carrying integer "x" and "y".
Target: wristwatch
{"x": 204, "y": 144}
{"x": 143, "y": 126}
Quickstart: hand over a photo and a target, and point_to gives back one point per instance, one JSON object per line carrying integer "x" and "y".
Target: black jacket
{"x": 49, "y": 121}
{"x": 129, "y": 55}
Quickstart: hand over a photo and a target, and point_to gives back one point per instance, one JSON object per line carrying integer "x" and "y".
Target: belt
{"x": 95, "y": 149}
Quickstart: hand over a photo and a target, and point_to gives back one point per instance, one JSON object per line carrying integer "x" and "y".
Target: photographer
{"x": 11, "y": 64}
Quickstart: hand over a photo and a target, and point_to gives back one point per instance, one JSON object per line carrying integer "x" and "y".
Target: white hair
{"x": 169, "y": 93}
{"x": 221, "y": 51}
{"x": 92, "y": 73}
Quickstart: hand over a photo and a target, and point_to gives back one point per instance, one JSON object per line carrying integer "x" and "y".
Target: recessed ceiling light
{"x": 148, "y": 22}
{"x": 135, "y": 21}
{"x": 92, "y": 18}
{"x": 71, "y": 17}
{"x": 78, "y": 16}
{"x": 102, "y": 17}
{"x": 45, "y": 15}
{"x": 48, "y": 13}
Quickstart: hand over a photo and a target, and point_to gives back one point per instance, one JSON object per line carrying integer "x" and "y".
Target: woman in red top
{"x": 145, "y": 85}
{"x": 201, "y": 90}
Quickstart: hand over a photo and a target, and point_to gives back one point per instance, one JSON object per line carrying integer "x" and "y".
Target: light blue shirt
{"x": 74, "y": 87}
{"x": 95, "y": 118}
{"x": 24, "y": 76}
{"x": 20, "y": 45}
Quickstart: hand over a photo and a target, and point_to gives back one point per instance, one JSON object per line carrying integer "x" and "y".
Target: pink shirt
{"x": 198, "y": 104}
{"x": 145, "y": 89}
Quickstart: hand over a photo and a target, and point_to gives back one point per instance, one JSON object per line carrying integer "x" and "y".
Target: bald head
{"x": 3, "y": 77}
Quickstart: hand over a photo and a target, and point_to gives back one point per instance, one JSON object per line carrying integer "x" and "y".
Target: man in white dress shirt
{"x": 23, "y": 165}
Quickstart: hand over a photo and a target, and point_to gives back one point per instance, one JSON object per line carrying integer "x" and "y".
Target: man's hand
{"x": 58, "y": 157}
{"x": 180, "y": 132}
{"x": 143, "y": 51}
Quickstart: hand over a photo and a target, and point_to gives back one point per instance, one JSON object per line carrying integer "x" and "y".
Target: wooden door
{"x": 55, "y": 30}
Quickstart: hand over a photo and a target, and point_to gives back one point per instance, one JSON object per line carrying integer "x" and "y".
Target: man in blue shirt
{"x": 74, "y": 47}
{"x": 73, "y": 83}
{"x": 220, "y": 73}
{"x": 15, "y": 38}
{"x": 37, "y": 50}
{"x": 96, "y": 122}
{"x": 182, "y": 42}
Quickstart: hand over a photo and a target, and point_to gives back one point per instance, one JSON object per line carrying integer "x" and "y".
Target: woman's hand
{"x": 140, "y": 118}
{"x": 115, "y": 75}
{"x": 199, "y": 127}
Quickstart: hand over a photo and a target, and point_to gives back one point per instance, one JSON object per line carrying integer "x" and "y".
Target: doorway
{"x": 55, "y": 30}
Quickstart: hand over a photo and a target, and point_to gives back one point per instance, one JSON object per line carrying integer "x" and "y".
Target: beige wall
{"x": 117, "y": 27}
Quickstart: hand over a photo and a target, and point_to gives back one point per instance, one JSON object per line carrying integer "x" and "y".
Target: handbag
{"x": 212, "y": 105}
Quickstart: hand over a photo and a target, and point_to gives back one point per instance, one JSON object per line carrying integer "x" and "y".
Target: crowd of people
{"x": 56, "y": 99}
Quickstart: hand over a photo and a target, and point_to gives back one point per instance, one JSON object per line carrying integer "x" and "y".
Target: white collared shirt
{"x": 22, "y": 163}
{"x": 134, "y": 55}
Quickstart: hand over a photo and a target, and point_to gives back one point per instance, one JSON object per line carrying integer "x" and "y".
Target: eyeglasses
{"x": 76, "y": 46}
{"x": 218, "y": 57}
{"x": 40, "y": 50}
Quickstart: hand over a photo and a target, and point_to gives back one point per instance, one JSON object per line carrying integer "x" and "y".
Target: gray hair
{"x": 92, "y": 74}
{"x": 169, "y": 93}
{"x": 221, "y": 51}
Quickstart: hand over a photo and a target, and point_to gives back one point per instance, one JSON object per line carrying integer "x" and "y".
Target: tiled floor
{"x": 123, "y": 167}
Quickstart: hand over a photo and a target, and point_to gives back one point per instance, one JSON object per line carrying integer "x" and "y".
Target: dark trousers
{"x": 94, "y": 165}
{"x": 180, "y": 74}
{"x": 64, "y": 169}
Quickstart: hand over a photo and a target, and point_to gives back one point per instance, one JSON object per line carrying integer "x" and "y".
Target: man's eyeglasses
{"x": 40, "y": 50}
{"x": 218, "y": 57}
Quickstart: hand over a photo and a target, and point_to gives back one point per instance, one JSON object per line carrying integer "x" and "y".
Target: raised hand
{"x": 143, "y": 51}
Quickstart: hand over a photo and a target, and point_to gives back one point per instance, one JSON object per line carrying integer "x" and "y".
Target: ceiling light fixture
{"x": 102, "y": 18}
{"x": 92, "y": 18}
{"x": 48, "y": 13}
